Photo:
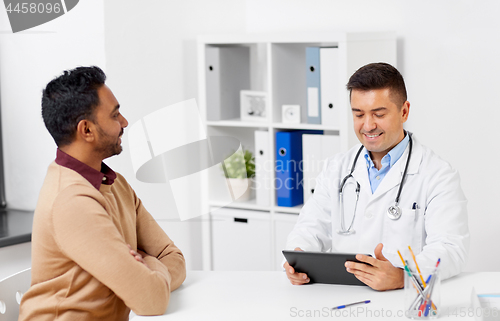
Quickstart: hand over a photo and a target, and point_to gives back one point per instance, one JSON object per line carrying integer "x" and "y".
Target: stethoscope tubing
{"x": 395, "y": 208}
{"x": 410, "y": 142}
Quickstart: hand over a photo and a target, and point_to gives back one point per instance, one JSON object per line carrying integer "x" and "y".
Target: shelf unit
{"x": 278, "y": 67}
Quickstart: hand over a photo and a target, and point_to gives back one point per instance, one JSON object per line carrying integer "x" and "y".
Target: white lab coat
{"x": 438, "y": 229}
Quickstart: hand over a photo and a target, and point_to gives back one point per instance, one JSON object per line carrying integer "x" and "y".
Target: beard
{"x": 109, "y": 145}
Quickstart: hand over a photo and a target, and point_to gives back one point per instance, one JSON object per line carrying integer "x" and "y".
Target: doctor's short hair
{"x": 379, "y": 75}
{"x": 70, "y": 98}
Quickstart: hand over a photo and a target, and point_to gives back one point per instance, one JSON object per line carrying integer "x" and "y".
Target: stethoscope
{"x": 394, "y": 211}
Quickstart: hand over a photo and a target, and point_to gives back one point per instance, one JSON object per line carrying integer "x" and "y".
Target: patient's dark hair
{"x": 379, "y": 76}
{"x": 70, "y": 98}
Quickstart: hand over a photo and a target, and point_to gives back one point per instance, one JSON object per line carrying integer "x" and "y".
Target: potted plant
{"x": 239, "y": 169}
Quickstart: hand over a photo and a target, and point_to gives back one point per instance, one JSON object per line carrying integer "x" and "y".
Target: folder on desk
{"x": 263, "y": 168}
{"x": 227, "y": 71}
{"x": 313, "y": 85}
{"x": 329, "y": 79}
{"x": 289, "y": 177}
{"x": 315, "y": 151}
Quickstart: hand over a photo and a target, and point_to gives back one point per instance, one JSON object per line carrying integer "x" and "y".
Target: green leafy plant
{"x": 240, "y": 166}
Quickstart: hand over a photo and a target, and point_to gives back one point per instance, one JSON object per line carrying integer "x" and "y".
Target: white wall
{"x": 152, "y": 63}
{"x": 28, "y": 61}
{"x": 447, "y": 50}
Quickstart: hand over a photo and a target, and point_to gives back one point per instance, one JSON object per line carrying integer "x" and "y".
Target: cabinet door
{"x": 241, "y": 240}
{"x": 283, "y": 225}
{"x": 263, "y": 168}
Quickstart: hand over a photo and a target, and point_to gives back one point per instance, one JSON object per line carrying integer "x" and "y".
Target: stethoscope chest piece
{"x": 394, "y": 212}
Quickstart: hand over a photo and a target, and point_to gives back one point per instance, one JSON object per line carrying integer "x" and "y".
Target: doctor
{"x": 395, "y": 193}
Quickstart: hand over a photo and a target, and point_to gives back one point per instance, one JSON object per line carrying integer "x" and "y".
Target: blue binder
{"x": 313, "y": 82}
{"x": 289, "y": 176}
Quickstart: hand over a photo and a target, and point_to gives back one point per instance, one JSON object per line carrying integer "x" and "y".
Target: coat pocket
{"x": 404, "y": 232}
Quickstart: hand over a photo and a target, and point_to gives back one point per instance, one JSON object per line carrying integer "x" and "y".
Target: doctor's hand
{"x": 295, "y": 278}
{"x": 381, "y": 276}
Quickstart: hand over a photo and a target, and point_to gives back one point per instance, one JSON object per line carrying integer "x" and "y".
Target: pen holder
{"x": 422, "y": 301}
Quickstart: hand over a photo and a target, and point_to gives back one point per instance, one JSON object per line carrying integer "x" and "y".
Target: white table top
{"x": 270, "y": 296}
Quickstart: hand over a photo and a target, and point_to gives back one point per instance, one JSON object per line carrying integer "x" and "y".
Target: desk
{"x": 15, "y": 241}
{"x": 270, "y": 296}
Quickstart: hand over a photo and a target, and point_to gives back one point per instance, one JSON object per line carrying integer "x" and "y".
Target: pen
{"x": 433, "y": 281}
{"x": 425, "y": 295}
{"x": 430, "y": 275}
{"x": 401, "y": 257}
{"x": 350, "y": 304}
{"x": 416, "y": 264}
{"x": 415, "y": 206}
{"x": 407, "y": 269}
{"x": 427, "y": 290}
{"x": 416, "y": 284}
{"x": 428, "y": 301}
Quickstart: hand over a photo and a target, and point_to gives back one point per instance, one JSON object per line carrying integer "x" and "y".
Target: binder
{"x": 289, "y": 177}
{"x": 313, "y": 85}
{"x": 263, "y": 168}
{"x": 227, "y": 71}
{"x": 311, "y": 150}
{"x": 316, "y": 150}
{"x": 330, "y": 85}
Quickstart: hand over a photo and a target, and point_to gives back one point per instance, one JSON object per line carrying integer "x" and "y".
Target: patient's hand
{"x": 295, "y": 278}
{"x": 138, "y": 257}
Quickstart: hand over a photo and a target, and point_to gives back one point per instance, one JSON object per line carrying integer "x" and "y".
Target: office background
{"x": 447, "y": 51}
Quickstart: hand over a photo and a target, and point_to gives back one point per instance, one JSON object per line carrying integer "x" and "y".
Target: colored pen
{"x": 429, "y": 277}
{"x": 433, "y": 281}
{"x": 350, "y": 304}
{"x": 425, "y": 295}
{"x": 407, "y": 269}
{"x": 427, "y": 304}
{"x": 416, "y": 283}
{"x": 427, "y": 291}
{"x": 416, "y": 264}
{"x": 418, "y": 287}
{"x": 401, "y": 257}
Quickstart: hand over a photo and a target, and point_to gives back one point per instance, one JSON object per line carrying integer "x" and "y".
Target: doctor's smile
{"x": 372, "y": 136}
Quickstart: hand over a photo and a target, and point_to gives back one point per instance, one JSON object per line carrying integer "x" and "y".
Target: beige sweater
{"x": 81, "y": 266}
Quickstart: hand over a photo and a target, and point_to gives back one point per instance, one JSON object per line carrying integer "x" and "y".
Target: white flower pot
{"x": 241, "y": 188}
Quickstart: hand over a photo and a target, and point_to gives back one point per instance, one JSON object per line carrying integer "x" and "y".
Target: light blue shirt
{"x": 376, "y": 176}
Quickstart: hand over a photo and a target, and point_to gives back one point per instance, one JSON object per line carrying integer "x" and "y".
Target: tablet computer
{"x": 323, "y": 267}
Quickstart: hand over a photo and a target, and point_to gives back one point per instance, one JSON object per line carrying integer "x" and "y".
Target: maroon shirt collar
{"x": 105, "y": 176}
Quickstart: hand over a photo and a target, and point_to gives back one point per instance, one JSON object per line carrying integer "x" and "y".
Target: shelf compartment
{"x": 237, "y": 122}
{"x": 247, "y": 205}
{"x": 291, "y": 210}
{"x": 304, "y": 126}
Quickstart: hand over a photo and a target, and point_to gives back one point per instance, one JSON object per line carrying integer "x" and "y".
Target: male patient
{"x": 97, "y": 252}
